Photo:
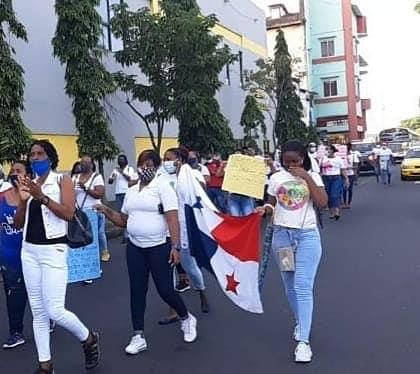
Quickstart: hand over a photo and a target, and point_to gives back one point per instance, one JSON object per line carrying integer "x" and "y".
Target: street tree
{"x": 88, "y": 83}
{"x": 289, "y": 112}
{"x": 412, "y": 123}
{"x": 252, "y": 121}
{"x": 417, "y": 8}
{"x": 15, "y": 137}
{"x": 180, "y": 62}
{"x": 199, "y": 58}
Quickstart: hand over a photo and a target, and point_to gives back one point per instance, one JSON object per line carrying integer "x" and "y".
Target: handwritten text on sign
{"x": 84, "y": 263}
{"x": 245, "y": 175}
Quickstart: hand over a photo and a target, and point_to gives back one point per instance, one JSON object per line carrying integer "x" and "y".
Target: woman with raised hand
{"x": 293, "y": 193}
{"x": 10, "y": 253}
{"x": 47, "y": 204}
{"x": 150, "y": 214}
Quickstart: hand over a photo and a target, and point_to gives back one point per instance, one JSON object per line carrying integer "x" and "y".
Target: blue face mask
{"x": 170, "y": 167}
{"x": 41, "y": 167}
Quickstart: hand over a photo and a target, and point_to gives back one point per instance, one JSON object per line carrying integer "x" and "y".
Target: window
{"x": 330, "y": 88}
{"x": 108, "y": 39}
{"x": 327, "y": 48}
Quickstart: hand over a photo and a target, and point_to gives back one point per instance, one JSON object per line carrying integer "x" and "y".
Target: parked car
{"x": 366, "y": 159}
{"x": 410, "y": 167}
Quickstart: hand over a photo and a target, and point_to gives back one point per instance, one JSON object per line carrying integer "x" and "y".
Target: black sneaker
{"x": 14, "y": 341}
{"x": 92, "y": 352}
{"x": 182, "y": 286}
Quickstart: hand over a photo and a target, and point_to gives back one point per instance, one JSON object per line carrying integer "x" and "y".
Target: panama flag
{"x": 226, "y": 246}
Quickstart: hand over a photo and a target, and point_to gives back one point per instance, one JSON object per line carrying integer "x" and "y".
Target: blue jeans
{"x": 386, "y": 176}
{"x": 192, "y": 269}
{"x": 103, "y": 243}
{"x": 217, "y": 196}
{"x": 334, "y": 189}
{"x": 300, "y": 283}
{"x": 348, "y": 191}
{"x": 15, "y": 291}
{"x": 240, "y": 206}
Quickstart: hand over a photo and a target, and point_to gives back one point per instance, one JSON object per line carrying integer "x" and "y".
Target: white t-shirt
{"x": 350, "y": 164}
{"x": 355, "y": 155}
{"x": 384, "y": 157}
{"x": 294, "y": 207}
{"x": 80, "y": 194}
{"x": 204, "y": 170}
{"x": 332, "y": 166}
{"x": 314, "y": 163}
{"x": 121, "y": 184}
{"x": 146, "y": 226}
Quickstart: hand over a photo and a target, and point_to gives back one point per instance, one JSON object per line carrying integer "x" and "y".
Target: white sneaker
{"x": 296, "y": 333}
{"x": 303, "y": 352}
{"x": 189, "y": 327}
{"x": 137, "y": 345}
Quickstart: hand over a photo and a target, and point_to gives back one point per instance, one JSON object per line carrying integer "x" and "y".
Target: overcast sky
{"x": 392, "y": 50}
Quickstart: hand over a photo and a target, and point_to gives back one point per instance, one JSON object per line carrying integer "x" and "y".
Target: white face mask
{"x": 312, "y": 149}
{"x": 170, "y": 166}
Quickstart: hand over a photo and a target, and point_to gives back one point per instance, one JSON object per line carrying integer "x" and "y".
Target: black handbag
{"x": 80, "y": 232}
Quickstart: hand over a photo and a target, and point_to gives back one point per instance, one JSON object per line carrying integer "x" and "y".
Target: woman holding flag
{"x": 293, "y": 193}
{"x": 150, "y": 214}
{"x": 174, "y": 159}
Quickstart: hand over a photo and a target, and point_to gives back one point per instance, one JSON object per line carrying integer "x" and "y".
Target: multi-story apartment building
{"x": 323, "y": 38}
{"x": 334, "y": 31}
{"x": 48, "y": 110}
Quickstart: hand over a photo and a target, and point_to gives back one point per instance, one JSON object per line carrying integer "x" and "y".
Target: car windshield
{"x": 363, "y": 148}
{"x": 413, "y": 153}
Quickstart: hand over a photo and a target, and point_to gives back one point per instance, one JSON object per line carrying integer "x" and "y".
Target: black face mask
{"x": 85, "y": 167}
{"x": 193, "y": 162}
{"x": 13, "y": 179}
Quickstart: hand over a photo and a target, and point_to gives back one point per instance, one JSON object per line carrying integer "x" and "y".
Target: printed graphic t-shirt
{"x": 332, "y": 166}
{"x": 294, "y": 207}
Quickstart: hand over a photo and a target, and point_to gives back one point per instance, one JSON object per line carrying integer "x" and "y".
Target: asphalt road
{"x": 367, "y": 308}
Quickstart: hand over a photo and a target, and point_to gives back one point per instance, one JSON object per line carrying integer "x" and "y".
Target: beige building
{"x": 289, "y": 15}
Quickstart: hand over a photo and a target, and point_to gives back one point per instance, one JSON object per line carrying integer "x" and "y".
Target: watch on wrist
{"x": 44, "y": 200}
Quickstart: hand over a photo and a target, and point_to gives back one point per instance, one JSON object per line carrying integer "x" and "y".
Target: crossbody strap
{"x": 86, "y": 192}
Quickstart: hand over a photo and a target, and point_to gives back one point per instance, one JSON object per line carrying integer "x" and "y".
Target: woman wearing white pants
{"x": 47, "y": 203}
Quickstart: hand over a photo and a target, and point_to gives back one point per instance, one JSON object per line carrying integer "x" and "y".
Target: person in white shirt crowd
{"x": 385, "y": 160}
{"x": 355, "y": 159}
{"x": 375, "y": 161}
{"x": 333, "y": 170}
{"x": 351, "y": 174}
{"x": 122, "y": 176}
{"x": 194, "y": 162}
{"x": 312, "y": 151}
{"x": 150, "y": 214}
{"x": 47, "y": 204}
{"x": 292, "y": 194}
{"x": 89, "y": 187}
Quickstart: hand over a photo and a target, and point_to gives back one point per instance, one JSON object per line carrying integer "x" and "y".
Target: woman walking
{"x": 47, "y": 204}
{"x": 352, "y": 170}
{"x": 293, "y": 193}
{"x": 334, "y": 173}
{"x": 10, "y": 252}
{"x": 150, "y": 214}
{"x": 90, "y": 189}
{"x": 174, "y": 159}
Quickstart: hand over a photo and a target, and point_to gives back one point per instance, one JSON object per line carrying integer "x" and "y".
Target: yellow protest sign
{"x": 245, "y": 175}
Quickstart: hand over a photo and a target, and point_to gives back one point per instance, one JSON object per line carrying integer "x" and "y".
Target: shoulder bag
{"x": 79, "y": 228}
